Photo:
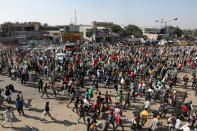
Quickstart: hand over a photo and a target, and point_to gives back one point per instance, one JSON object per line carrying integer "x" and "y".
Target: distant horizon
{"x": 142, "y": 13}
{"x": 91, "y": 24}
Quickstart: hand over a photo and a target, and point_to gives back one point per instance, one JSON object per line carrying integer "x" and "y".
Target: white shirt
{"x": 155, "y": 122}
{"x": 7, "y": 114}
{"x": 86, "y": 102}
{"x": 122, "y": 81}
{"x": 178, "y": 124}
{"x": 146, "y": 104}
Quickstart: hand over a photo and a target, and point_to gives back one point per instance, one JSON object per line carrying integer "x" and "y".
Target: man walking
{"x": 81, "y": 113}
{"x": 46, "y": 112}
{"x": 127, "y": 99}
{"x": 118, "y": 121}
{"x": 8, "y": 94}
{"x": 40, "y": 85}
{"x": 45, "y": 90}
{"x": 8, "y": 114}
{"x": 171, "y": 122}
{"x": 19, "y": 106}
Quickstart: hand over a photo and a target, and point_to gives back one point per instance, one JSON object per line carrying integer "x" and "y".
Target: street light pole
{"x": 161, "y": 22}
{"x": 165, "y": 22}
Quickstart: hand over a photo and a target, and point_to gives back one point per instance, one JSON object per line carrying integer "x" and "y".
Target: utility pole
{"x": 75, "y": 18}
{"x": 71, "y": 21}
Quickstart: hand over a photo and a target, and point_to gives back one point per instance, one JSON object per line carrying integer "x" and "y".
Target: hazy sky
{"x": 138, "y": 12}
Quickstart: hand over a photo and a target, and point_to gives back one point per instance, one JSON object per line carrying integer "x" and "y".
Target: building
{"x": 54, "y": 36}
{"x": 151, "y": 32}
{"x": 51, "y": 28}
{"x": 87, "y": 31}
{"x": 98, "y": 31}
{"x": 27, "y": 26}
{"x": 8, "y": 42}
{"x": 71, "y": 33}
{"x": 155, "y": 33}
{"x": 101, "y": 24}
{"x": 20, "y": 32}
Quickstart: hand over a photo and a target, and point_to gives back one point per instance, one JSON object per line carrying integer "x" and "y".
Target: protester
{"x": 171, "y": 122}
{"x": 1, "y": 99}
{"x": 19, "y": 106}
{"x": 155, "y": 123}
{"x": 8, "y": 94}
{"x": 136, "y": 73}
{"x": 8, "y": 115}
{"x": 81, "y": 113}
{"x": 127, "y": 99}
{"x": 119, "y": 121}
{"x": 20, "y": 97}
{"x": 45, "y": 90}
{"x": 46, "y": 112}
{"x": 178, "y": 123}
{"x": 40, "y": 85}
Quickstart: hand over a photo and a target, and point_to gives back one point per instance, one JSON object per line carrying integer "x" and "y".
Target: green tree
{"x": 116, "y": 28}
{"x": 45, "y": 25}
{"x": 188, "y": 35}
{"x": 177, "y": 32}
{"x": 145, "y": 37}
{"x": 133, "y": 30}
{"x": 194, "y": 33}
{"x": 89, "y": 33}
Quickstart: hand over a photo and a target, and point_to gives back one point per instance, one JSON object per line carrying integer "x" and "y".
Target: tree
{"x": 194, "y": 33}
{"x": 116, "y": 28}
{"x": 178, "y": 32}
{"x": 45, "y": 25}
{"x": 175, "y": 32}
{"x": 145, "y": 37}
{"x": 89, "y": 33}
{"x": 189, "y": 35}
{"x": 187, "y": 32}
{"x": 133, "y": 30}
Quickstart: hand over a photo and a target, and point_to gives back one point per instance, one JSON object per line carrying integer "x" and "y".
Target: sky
{"x": 123, "y": 12}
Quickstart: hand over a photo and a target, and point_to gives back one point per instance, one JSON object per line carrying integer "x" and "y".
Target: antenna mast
{"x": 75, "y": 20}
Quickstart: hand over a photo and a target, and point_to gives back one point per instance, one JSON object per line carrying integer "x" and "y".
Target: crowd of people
{"x": 117, "y": 76}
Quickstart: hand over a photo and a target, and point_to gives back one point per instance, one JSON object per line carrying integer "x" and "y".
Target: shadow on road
{"x": 65, "y": 122}
{"x": 26, "y": 128}
{"x": 36, "y": 110}
{"x": 32, "y": 117}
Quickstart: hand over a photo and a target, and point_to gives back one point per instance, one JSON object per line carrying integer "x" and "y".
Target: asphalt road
{"x": 66, "y": 119}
